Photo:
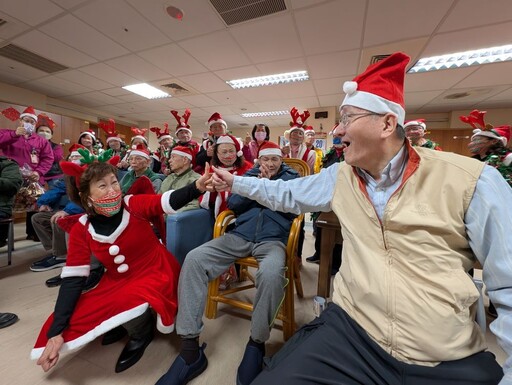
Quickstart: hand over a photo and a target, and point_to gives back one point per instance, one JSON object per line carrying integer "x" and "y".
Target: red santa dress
{"x": 140, "y": 272}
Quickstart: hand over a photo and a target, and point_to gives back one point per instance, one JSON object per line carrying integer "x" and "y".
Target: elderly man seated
{"x": 259, "y": 232}
{"x": 139, "y": 160}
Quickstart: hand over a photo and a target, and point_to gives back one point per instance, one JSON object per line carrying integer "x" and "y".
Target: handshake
{"x": 215, "y": 179}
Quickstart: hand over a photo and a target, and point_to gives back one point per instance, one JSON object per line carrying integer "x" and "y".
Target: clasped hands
{"x": 214, "y": 179}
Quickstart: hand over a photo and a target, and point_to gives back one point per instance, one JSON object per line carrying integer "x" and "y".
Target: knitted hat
{"x": 161, "y": 135}
{"x": 476, "y": 120}
{"x": 231, "y": 140}
{"x": 183, "y": 151}
{"x": 380, "y": 88}
{"x": 139, "y": 134}
{"x": 90, "y": 133}
{"x": 73, "y": 150}
{"x": 140, "y": 150}
{"x": 46, "y": 121}
{"x": 417, "y": 122}
{"x": 216, "y": 118}
{"x": 30, "y": 112}
{"x": 110, "y": 129}
{"x": 182, "y": 121}
{"x": 268, "y": 149}
{"x": 298, "y": 120}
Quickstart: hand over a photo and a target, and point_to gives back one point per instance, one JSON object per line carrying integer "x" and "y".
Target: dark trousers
{"x": 4, "y": 228}
{"x": 334, "y": 349}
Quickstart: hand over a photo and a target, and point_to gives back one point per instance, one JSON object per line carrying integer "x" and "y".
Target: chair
{"x": 187, "y": 230}
{"x": 10, "y": 237}
{"x": 292, "y": 273}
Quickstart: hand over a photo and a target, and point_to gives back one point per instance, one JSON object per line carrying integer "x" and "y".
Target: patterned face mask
{"x": 109, "y": 205}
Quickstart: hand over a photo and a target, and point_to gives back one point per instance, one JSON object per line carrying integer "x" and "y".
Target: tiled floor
{"x": 24, "y": 293}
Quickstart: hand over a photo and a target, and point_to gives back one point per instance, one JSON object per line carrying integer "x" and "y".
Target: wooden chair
{"x": 292, "y": 273}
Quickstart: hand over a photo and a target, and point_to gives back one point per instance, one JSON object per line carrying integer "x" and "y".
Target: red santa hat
{"x": 476, "y": 120}
{"x": 46, "y": 121}
{"x": 269, "y": 149}
{"x": 216, "y": 118}
{"x": 161, "y": 135}
{"x": 90, "y": 133}
{"x": 182, "y": 121}
{"x": 298, "y": 120}
{"x": 109, "y": 128}
{"x": 140, "y": 150}
{"x": 30, "y": 112}
{"x": 139, "y": 134}
{"x": 380, "y": 88}
{"x": 73, "y": 150}
{"x": 231, "y": 140}
{"x": 183, "y": 151}
{"x": 308, "y": 130}
{"x": 417, "y": 122}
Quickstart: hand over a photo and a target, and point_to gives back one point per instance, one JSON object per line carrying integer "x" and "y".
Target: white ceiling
{"x": 110, "y": 43}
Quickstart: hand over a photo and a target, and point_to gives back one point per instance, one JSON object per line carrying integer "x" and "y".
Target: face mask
{"x": 45, "y": 135}
{"x": 109, "y": 205}
{"x": 76, "y": 161}
{"x": 260, "y": 136}
{"x": 336, "y": 140}
{"x": 29, "y": 128}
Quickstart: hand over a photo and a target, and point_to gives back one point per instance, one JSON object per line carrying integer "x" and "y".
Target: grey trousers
{"x": 210, "y": 260}
{"x": 51, "y": 235}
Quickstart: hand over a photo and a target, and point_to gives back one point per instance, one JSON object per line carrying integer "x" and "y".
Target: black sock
{"x": 259, "y": 345}
{"x": 190, "y": 350}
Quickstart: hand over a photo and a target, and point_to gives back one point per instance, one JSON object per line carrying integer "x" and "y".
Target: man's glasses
{"x": 347, "y": 119}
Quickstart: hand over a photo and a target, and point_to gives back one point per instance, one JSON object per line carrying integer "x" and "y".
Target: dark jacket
{"x": 10, "y": 183}
{"x": 257, "y": 223}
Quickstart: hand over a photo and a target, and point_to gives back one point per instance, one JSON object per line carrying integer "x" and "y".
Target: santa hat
{"x": 139, "y": 134}
{"x": 308, "y": 130}
{"x": 90, "y": 133}
{"x": 182, "y": 121}
{"x": 73, "y": 150}
{"x": 183, "y": 151}
{"x": 476, "y": 120}
{"x": 45, "y": 120}
{"x": 380, "y": 88}
{"x": 110, "y": 129}
{"x": 161, "y": 135}
{"x": 216, "y": 118}
{"x": 231, "y": 140}
{"x": 140, "y": 150}
{"x": 269, "y": 149}
{"x": 298, "y": 120}
{"x": 30, "y": 112}
{"x": 417, "y": 122}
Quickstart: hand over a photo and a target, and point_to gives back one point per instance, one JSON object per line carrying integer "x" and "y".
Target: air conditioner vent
{"x": 377, "y": 58}
{"x": 2, "y": 22}
{"x": 31, "y": 59}
{"x": 237, "y": 11}
{"x": 175, "y": 89}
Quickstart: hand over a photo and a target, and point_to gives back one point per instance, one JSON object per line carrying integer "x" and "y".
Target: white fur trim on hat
{"x": 91, "y": 134}
{"x": 140, "y": 153}
{"x": 164, "y": 137}
{"x": 182, "y": 153}
{"x": 489, "y": 134}
{"x": 218, "y": 121}
{"x": 415, "y": 123}
{"x": 116, "y": 138}
{"x": 226, "y": 139}
{"x": 373, "y": 103}
{"x": 139, "y": 137}
{"x": 183, "y": 129}
{"x": 270, "y": 151}
{"x": 29, "y": 115}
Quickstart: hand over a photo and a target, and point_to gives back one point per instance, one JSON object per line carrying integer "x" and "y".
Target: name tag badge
{"x": 34, "y": 158}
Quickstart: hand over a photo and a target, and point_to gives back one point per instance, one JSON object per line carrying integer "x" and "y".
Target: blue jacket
{"x": 257, "y": 223}
{"x": 57, "y": 198}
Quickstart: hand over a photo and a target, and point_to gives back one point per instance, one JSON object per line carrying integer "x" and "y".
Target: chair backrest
{"x": 299, "y": 165}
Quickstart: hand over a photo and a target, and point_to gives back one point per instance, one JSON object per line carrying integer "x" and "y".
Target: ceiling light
{"x": 263, "y": 114}
{"x": 144, "y": 89}
{"x": 269, "y": 80}
{"x": 463, "y": 59}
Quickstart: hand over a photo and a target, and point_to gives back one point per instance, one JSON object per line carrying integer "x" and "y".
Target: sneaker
{"x": 48, "y": 263}
{"x": 313, "y": 259}
{"x": 251, "y": 365}
{"x": 180, "y": 373}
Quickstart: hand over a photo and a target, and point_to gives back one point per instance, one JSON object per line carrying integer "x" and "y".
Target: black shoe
{"x": 114, "y": 335}
{"x": 251, "y": 365}
{"x": 133, "y": 352}
{"x": 93, "y": 279}
{"x": 313, "y": 259}
{"x": 180, "y": 373}
{"x": 54, "y": 281}
{"x": 48, "y": 263}
{"x": 7, "y": 319}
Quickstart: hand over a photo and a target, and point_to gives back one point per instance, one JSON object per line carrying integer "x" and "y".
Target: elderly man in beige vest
{"x": 414, "y": 221}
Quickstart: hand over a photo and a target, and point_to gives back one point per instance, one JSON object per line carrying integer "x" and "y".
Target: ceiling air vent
{"x": 2, "y": 22}
{"x": 175, "y": 89}
{"x": 237, "y": 11}
{"x": 377, "y": 58}
{"x": 21, "y": 55}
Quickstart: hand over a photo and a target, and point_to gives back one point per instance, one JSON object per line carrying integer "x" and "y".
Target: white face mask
{"x": 76, "y": 161}
{"x": 260, "y": 136}
{"x": 45, "y": 135}
{"x": 29, "y": 128}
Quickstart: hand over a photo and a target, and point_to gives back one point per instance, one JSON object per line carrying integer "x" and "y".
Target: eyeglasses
{"x": 347, "y": 119}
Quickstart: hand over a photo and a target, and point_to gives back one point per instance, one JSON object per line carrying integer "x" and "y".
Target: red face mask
{"x": 108, "y": 205}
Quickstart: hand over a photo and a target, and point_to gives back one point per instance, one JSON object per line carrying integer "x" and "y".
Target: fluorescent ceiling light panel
{"x": 269, "y": 80}
{"x": 263, "y": 114}
{"x": 144, "y": 89}
{"x": 463, "y": 59}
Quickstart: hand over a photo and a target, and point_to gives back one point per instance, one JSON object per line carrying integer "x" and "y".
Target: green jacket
{"x": 130, "y": 178}
{"x": 174, "y": 182}
{"x": 10, "y": 183}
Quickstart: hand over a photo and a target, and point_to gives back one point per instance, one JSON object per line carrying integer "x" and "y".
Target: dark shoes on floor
{"x": 313, "y": 259}
{"x": 114, "y": 335}
{"x": 92, "y": 280}
{"x": 48, "y": 263}
{"x": 54, "y": 281}
{"x": 133, "y": 351}
{"x": 7, "y": 319}
{"x": 180, "y": 373}
{"x": 251, "y": 365}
